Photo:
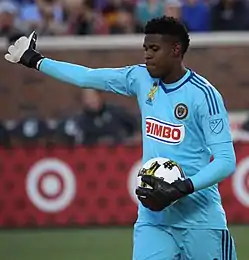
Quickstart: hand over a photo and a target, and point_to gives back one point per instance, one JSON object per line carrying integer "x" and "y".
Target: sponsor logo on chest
{"x": 164, "y": 131}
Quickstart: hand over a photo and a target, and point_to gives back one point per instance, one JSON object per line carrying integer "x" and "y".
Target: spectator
{"x": 9, "y": 26}
{"x": 5, "y": 140}
{"x": 124, "y": 23}
{"x": 230, "y": 15}
{"x": 119, "y": 16}
{"x": 148, "y": 9}
{"x": 44, "y": 16}
{"x": 173, "y": 8}
{"x": 67, "y": 132}
{"x": 111, "y": 14}
{"x": 30, "y": 131}
{"x": 106, "y": 5}
{"x": 196, "y": 15}
{"x": 83, "y": 19}
{"x": 101, "y": 122}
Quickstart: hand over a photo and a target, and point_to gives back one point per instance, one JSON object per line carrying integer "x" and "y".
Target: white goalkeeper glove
{"x": 23, "y": 51}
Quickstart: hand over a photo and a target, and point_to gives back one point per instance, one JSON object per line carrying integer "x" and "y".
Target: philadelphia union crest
{"x": 181, "y": 111}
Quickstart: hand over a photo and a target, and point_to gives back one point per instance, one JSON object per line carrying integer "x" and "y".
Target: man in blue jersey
{"x": 184, "y": 119}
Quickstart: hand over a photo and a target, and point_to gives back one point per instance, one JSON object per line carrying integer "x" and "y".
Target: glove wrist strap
{"x": 186, "y": 187}
{"x": 35, "y": 60}
{"x": 31, "y": 58}
{"x": 38, "y": 64}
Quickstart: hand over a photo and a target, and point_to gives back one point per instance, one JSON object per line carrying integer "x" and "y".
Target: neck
{"x": 176, "y": 73}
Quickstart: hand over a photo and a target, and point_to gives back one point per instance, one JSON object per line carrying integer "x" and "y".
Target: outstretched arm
{"x": 117, "y": 80}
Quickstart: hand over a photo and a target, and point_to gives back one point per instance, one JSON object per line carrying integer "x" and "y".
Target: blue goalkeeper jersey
{"x": 180, "y": 121}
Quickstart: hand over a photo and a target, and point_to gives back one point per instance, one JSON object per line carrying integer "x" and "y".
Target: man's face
{"x": 92, "y": 100}
{"x": 158, "y": 54}
{"x": 6, "y": 20}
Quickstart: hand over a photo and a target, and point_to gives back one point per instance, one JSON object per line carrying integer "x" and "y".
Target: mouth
{"x": 152, "y": 69}
{"x": 150, "y": 65}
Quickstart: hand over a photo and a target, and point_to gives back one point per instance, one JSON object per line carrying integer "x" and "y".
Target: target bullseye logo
{"x": 240, "y": 182}
{"x": 51, "y": 185}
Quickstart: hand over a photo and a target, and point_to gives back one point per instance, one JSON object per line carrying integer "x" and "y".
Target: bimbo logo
{"x": 163, "y": 131}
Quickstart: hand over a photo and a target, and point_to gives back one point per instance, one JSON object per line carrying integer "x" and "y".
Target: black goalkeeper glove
{"x": 162, "y": 193}
{"x": 23, "y": 51}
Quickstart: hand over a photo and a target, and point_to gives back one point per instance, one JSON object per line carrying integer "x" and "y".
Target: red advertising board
{"x": 93, "y": 186}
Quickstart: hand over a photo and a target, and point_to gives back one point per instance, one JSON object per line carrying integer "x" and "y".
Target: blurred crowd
{"x": 98, "y": 122}
{"x": 80, "y": 17}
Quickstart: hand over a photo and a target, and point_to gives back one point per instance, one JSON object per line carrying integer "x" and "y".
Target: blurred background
{"x": 69, "y": 157}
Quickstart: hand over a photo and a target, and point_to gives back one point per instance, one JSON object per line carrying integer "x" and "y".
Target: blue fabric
{"x": 185, "y": 121}
{"x": 166, "y": 243}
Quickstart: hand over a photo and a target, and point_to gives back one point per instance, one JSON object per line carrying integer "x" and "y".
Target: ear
{"x": 177, "y": 49}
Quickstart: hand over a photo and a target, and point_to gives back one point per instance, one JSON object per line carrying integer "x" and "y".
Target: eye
{"x": 155, "y": 49}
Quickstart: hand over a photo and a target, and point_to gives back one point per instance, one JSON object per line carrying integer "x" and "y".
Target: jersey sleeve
{"x": 213, "y": 118}
{"x": 223, "y": 165}
{"x": 117, "y": 80}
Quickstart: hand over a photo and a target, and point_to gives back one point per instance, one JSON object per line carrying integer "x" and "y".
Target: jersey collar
{"x": 167, "y": 88}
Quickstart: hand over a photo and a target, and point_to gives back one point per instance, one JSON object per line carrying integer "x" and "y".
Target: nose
{"x": 148, "y": 56}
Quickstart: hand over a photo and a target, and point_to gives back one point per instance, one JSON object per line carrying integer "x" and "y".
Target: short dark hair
{"x": 169, "y": 26}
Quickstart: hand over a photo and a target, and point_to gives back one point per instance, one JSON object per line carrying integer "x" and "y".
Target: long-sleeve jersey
{"x": 185, "y": 121}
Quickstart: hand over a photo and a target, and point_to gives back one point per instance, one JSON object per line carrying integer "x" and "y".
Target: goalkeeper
{"x": 184, "y": 119}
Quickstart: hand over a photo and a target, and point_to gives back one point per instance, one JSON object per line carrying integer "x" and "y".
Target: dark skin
{"x": 163, "y": 57}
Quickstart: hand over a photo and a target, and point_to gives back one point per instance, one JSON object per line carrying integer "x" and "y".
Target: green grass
{"x": 85, "y": 244}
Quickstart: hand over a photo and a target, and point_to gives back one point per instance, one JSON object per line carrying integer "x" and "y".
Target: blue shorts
{"x": 169, "y": 243}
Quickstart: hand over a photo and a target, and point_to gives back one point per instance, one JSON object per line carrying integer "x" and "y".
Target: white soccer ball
{"x": 163, "y": 168}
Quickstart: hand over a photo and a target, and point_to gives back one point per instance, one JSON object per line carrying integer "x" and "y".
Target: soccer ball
{"x": 160, "y": 167}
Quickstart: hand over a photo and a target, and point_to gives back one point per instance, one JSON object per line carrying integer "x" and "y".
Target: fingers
{"x": 20, "y": 41}
{"x": 16, "y": 50}
{"x": 148, "y": 199}
{"x": 11, "y": 58}
{"x": 11, "y": 49}
{"x": 32, "y": 35}
{"x": 32, "y": 39}
{"x": 145, "y": 197}
{"x": 150, "y": 180}
{"x": 143, "y": 192}
{"x": 8, "y": 57}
